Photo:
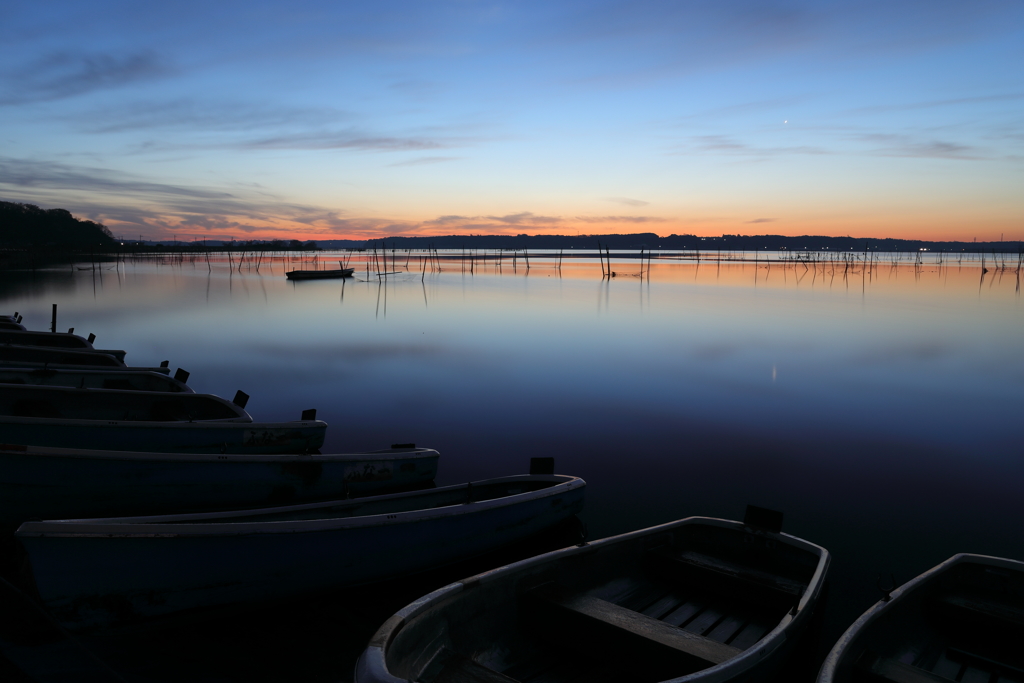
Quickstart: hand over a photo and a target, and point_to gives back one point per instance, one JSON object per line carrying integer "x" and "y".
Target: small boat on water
{"x": 960, "y": 621}
{"x": 136, "y": 380}
{"x": 38, "y": 357}
{"x": 55, "y": 340}
{"x": 54, "y": 483}
{"x": 699, "y": 599}
{"x": 319, "y": 274}
{"x": 12, "y": 354}
{"x": 109, "y": 419}
{"x": 63, "y": 403}
{"x": 125, "y": 569}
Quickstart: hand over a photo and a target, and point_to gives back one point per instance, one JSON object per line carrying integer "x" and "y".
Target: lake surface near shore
{"x": 877, "y": 405}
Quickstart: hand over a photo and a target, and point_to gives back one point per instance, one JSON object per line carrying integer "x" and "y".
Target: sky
{"x": 344, "y": 120}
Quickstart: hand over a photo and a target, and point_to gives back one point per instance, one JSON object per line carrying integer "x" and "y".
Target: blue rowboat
{"x": 137, "y": 380}
{"x": 962, "y": 620}
{"x": 53, "y": 483}
{"x": 699, "y": 599}
{"x": 300, "y": 436}
{"x": 64, "y": 404}
{"x": 92, "y": 572}
{"x": 13, "y": 354}
{"x": 54, "y": 340}
{"x": 109, "y": 419}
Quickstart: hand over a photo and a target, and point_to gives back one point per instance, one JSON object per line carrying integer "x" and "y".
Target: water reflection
{"x": 874, "y": 399}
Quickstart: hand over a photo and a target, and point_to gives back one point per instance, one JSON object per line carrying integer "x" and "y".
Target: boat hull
{"x": 504, "y": 623}
{"x": 50, "y": 483}
{"x": 93, "y": 379}
{"x": 167, "y": 437}
{"x": 960, "y": 620}
{"x": 126, "y": 570}
{"x": 11, "y": 354}
{"x": 318, "y": 274}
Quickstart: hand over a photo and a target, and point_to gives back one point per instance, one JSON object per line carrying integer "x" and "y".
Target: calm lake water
{"x": 878, "y": 406}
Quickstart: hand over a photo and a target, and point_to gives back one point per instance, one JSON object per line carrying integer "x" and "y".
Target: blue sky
{"x": 331, "y": 120}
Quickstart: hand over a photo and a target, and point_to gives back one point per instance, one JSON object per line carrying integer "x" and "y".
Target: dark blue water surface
{"x": 879, "y": 407}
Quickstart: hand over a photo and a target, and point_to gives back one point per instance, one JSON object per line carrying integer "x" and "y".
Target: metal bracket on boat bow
{"x": 886, "y": 592}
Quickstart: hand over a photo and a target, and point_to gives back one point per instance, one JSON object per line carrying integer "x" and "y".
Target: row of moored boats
{"x": 132, "y": 497}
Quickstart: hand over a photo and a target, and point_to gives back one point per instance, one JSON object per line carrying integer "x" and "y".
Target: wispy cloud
{"x": 350, "y": 139}
{"x": 620, "y": 219}
{"x": 899, "y": 145}
{"x": 931, "y": 104}
{"x": 627, "y": 201}
{"x": 524, "y": 218}
{"x": 424, "y": 160}
{"x": 25, "y": 173}
{"x": 61, "y": 75}
{"x": 202, "y": 115}
{"x": 762, "y": 220}
{"x": 724, "y": 144}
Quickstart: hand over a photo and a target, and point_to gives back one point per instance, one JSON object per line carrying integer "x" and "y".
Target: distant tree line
{"x": 27, "y": 225}
{"x": 650, "y": 240}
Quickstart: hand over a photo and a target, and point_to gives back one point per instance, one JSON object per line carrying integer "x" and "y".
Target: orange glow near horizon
{"x": 950, "y": 229}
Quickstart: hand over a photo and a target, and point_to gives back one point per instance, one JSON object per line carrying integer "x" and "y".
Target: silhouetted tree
{"x": 28, "y": 225}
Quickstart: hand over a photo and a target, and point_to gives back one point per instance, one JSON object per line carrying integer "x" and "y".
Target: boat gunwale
{"x": 182, "y": 388}
{"x": 177, "y": 525}
{"x": 29, "y": 334}
{"x": 834, "y": 659}
{"x": 241, "y": 415}
{"x": 376, "y": 653}
{"x": 48, "y": 365}
{"x": 96, "y": 454}
{"x": 235, "y": 423}
{"x": 56, "y": 349}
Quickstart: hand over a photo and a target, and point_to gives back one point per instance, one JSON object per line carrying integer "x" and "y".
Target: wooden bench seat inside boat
{"x": 728, "y": 576}
{"x": 885, "y": 669}
{"x": 449, "y": 666}
{"x": 605, "y": 629}
{"x": 958, "y": 665}
{"x": 1003, "y": 613}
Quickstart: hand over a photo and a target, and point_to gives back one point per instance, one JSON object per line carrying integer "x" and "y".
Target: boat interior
{"x": 101, "y": 404}
{"x": 964, "y": 625}
{"x": 651, "y": 608}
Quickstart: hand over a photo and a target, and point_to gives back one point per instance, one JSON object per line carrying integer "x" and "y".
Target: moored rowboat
{"x": 131, "y": 568}
{"x": 51, "y": 483}
{"x": 695, "y": 600}
{"x": 962, "y": 620}
{"x": 101, "y": 419}
{"x": 319, "y": 274}
{"x": 12, "y": 354}
{"x": 132, "y": 380}
{"x": 60, "y": 403}
{"x": 55, "y": 340}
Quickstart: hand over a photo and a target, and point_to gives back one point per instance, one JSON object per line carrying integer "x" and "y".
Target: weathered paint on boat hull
{"x": 39, "y": 483}
{"x": 156, "y": 569}
{"x": 167, "y": 437}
